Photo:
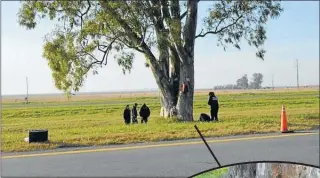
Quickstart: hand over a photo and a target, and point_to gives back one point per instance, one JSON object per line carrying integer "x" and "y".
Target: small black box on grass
{"x": 38, "y": 136}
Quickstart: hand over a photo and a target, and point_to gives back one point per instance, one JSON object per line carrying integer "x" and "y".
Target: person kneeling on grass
{"x": 126, "y": 115}
{"x": 144, "y": 113}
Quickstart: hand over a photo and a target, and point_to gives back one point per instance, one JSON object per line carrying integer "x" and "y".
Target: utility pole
{"x": 297, "y": 73}
{"x": 27, "y": 98}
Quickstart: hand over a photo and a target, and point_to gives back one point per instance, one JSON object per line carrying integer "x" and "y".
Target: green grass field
{"x": 99, "y": 122}
{"x": 217, "y": 173}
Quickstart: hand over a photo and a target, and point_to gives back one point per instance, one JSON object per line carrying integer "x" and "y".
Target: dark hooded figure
{"x": 134, "y": 113}
{"x": 127, "y": 114}
{"x": 144, "y": 113}
{"x": 214, "y": 104}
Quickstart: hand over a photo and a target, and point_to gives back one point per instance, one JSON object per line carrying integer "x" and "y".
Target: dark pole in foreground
{"x": 205, "y": 142}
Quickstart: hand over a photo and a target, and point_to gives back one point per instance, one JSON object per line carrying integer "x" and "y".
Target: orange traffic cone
{"x": 284, "y": 124}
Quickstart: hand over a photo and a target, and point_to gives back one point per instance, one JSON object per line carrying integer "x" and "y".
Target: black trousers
{"x": 127, "y": 120}
{"x": 134, "y": 120}
{"x": 144, "y": 119}
{"x": 214, "y": 114}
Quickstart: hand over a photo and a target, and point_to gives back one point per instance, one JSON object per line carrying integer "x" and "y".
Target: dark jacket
{"x": 144, "y": 111}
{"x": 134, "y": 112}
{"x": 126, "y": 113}
{"x": 213, "y": 102}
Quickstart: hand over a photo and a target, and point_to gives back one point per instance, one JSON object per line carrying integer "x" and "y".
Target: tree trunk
{"x": 185, "y": 101}
{"x": 168, "y": 103}
{"x": 181, "y": 55}
{"x": 242, "y": 170}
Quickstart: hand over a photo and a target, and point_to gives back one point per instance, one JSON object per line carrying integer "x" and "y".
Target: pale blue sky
{"x": 295, "y": 35}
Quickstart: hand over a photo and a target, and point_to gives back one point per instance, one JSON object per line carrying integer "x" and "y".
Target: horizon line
{"x": 141, "y": 90}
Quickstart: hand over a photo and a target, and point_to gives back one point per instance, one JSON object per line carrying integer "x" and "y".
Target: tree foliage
{"x": 257, "y": 79}
{"x": 243, "y": 82}
{"x": 227, "y": 87}
{"x": 88, "y": 31}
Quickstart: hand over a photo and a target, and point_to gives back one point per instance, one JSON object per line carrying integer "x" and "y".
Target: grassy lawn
{"x": 217, "y": 173}
{"x": 99, "y": 122}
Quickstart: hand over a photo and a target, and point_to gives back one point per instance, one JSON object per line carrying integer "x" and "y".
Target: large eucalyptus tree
{"x": 163, "y": 31}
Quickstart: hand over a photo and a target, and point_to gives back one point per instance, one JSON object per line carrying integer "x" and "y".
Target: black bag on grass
{"x": 204, "y": 117}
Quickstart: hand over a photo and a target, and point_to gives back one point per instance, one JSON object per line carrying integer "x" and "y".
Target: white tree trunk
{"x": 168, "y": 103}
{"x": 185, "y": 101}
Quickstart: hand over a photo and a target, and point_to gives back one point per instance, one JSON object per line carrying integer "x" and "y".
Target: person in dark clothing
{"x": 144, "y": 113}
{"x": 127, "y": 114}
{"x": 214, "y": 104}
{"x": 204, "y": 118}
{"x": 134, "y": 113}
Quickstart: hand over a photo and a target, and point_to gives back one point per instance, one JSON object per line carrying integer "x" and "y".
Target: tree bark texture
{"x": 185, "y": 101}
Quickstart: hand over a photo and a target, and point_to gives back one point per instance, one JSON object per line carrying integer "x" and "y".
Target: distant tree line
{"x": 243, "y": 83}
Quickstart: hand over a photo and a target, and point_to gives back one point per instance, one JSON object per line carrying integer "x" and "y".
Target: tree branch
{"x": 216, "y": 31}
{"x": 125, "y": 41}
{"x": 175, "y": 9}
{"x": 96, "y": 61}
{"x": 93, "y": 63}
{"x": 144, "y": 34}
{"x": 165, "y": 11}
{"x": 190, "y": 30}
{"x": 175, "y": 31}
{"x": 87, "y": 10}
{"x": 134, "y": 37}
{"x": 183, "y": 15}
{"x": 153, "y": 13}
{"x": 107, "y": 50}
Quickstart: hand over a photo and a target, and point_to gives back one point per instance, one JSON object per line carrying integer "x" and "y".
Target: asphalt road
{"x": 179, "y": 158}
